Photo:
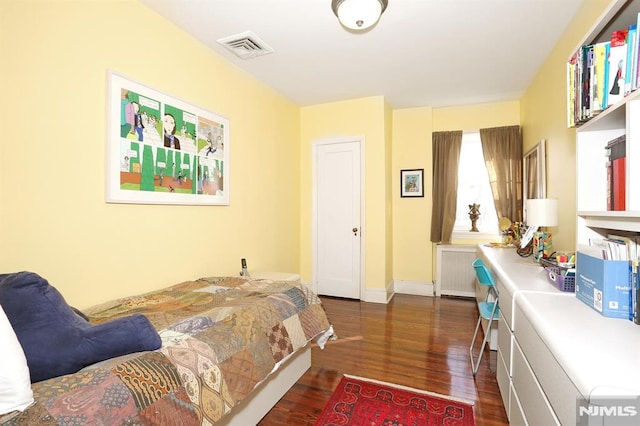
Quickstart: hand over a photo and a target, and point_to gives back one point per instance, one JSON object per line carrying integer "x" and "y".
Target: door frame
{"x": 314, "y": 208}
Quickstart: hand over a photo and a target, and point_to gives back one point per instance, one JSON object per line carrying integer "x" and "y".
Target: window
{"x": 474, "y": 187}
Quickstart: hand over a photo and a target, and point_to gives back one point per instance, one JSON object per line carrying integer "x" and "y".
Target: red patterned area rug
{"x": 360, "y": 401}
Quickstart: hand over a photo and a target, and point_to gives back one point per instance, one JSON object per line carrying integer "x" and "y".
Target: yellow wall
{"x": 474, "y": 117}
{"x": 54, "y": 220}
{"x": 389, "y": 194}
{"x": 412, "y": 129}
{"x": 367, "y": 117}
{"x": 544, "y": 116}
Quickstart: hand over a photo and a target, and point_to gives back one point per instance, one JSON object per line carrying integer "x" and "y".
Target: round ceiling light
{"x": 358, "y": 14}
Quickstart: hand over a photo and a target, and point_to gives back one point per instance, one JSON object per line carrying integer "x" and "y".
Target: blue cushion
{"x": 56, "y": 340}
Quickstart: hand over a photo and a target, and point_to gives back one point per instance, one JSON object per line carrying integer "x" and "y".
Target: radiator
{"x": 454, "y": 274}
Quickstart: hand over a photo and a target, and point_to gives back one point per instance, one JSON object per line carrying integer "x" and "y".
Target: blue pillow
{"x": 55, "y": 339}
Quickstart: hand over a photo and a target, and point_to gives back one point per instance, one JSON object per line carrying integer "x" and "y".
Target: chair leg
{"x": 487, "y": 337}
{"x": 474, "y": 368}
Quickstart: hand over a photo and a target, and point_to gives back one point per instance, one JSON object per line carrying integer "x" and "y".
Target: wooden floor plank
{"x": 416, "y": 341}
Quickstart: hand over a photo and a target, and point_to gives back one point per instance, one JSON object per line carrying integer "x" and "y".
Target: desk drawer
{"x": 557, "y": 385}
{"x": 506, "y": 303}
{"x": 516, "y": 415}
{"x": 535, "y": 405}
{"x": 505, "y": 341}
{"x": 504, "y": 382}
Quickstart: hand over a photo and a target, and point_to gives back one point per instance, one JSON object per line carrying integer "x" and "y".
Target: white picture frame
{"x": 187, "y": 147}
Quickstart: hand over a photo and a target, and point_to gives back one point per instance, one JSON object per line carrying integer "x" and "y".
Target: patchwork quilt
{"x": 221, "y": 337}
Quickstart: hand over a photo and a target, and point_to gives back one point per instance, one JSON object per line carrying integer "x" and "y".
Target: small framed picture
{"x": 412, "y": 183}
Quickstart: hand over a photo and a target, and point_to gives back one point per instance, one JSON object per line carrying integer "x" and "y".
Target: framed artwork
{"x": 163, "y": 150}
{"x": 412, "y": 183}
{"x": 533, "y": 172}
{"x": 534, "y": 176}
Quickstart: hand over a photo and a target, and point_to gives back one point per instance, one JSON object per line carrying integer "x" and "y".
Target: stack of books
{"x": 601, "y": 74}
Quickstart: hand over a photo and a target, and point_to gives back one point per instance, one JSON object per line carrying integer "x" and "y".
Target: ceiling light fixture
{"x": 358, "y": 14}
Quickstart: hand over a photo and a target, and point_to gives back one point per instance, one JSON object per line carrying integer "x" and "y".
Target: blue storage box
{"x": 604, "y": 285}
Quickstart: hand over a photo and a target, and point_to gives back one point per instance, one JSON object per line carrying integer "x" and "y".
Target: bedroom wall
{"x": 53, "y": 217}
{"x": 368, "y": 117}
{"x": 544, "y": 116}
{"x": 414, "y": 254}
{"x": 474, "y": 117}
{"x": 388, "y": 191}
{"x": 412, "y": 129}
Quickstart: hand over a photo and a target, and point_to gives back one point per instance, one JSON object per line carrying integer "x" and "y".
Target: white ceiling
{"x": 421, "y": 52}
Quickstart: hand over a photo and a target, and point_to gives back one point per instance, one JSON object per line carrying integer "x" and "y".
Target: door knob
{"x": 355, "y": 231}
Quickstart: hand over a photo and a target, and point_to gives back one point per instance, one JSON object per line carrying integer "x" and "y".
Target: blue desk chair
{"x": 489, "y": 310}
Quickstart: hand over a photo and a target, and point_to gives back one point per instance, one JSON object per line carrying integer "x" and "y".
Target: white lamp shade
{"x": 359, "y": 14}
{"x": 542, "y": 212}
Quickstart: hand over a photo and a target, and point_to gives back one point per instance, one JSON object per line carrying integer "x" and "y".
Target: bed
{"x": 230, "y": 348}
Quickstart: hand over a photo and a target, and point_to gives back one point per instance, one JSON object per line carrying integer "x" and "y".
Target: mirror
{"x": 534, "y": 176}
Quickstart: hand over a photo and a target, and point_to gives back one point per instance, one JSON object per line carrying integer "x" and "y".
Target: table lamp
{"x": 540, "y": 212}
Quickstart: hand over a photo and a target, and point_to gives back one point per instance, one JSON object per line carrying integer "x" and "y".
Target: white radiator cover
{"x": 454, "y": 274}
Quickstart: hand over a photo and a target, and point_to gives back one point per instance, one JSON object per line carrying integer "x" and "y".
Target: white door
{"x": 337, "y": 230}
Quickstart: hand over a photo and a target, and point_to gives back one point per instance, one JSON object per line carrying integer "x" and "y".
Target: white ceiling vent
{"x": 246, "y": 45}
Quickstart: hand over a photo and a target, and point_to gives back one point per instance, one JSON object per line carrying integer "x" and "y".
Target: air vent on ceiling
{"x": 246, "y": 45}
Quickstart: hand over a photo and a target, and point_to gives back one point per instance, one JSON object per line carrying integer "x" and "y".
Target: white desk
{"x": 553, "y": 349}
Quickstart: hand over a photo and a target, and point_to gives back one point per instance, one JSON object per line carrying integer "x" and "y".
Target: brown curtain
{"x": 502, "y": 148}
{"x": 446, "y": 155}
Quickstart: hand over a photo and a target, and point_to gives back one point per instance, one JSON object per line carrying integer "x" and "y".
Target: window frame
{"x": 484, "y": 234}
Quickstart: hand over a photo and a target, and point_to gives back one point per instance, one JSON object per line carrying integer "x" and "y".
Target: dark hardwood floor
{"x": 416, "y": 341}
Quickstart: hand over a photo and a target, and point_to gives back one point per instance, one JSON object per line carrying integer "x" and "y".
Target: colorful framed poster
{"x": 412, "y": 183}
{"x": 162, "y": 150}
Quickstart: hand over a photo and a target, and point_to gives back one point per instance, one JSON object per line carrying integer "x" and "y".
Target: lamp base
{"x": 525, "y": 251}
{"x": 542, "y": 245}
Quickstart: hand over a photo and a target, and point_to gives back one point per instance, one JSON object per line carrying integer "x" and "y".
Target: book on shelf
{"x": 601, "y": 76}
{"x": 627, "y": 244}
{"x": 617, "y": 65}
{"x": 616, "y": 174}
{"x": 603, "y": 73}
{"x": 613, "y": 247}
{"x": 587, "y": 84}
{"x": 626, "y": 248}
{"x": 598, "y": 248}
{"x": 636, "y": 60}
{"x": 571, "y": 99}
{"x": 631, "y": 56}
{"x": 635, "y": 293}
{"x": 619, "y": 173}
{"x": 609, "y": 166}
{"x": 575, "y": 75}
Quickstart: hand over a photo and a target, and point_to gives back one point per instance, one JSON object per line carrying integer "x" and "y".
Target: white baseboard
{"x": 375, "y": 295}
{"x": 417, "y": 288}
{"x": 370, "y": 295}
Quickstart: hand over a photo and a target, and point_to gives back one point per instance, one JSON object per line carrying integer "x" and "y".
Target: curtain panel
{"x": 446, "y": 155}
{"x": 502, "y": 148}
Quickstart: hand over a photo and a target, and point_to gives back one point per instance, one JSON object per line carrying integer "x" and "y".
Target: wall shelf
{"x": 594, "y": 217}
{"x": 624, "y": 221}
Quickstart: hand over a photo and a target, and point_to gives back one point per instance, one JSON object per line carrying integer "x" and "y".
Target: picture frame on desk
{"x": 412, "y": 183}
